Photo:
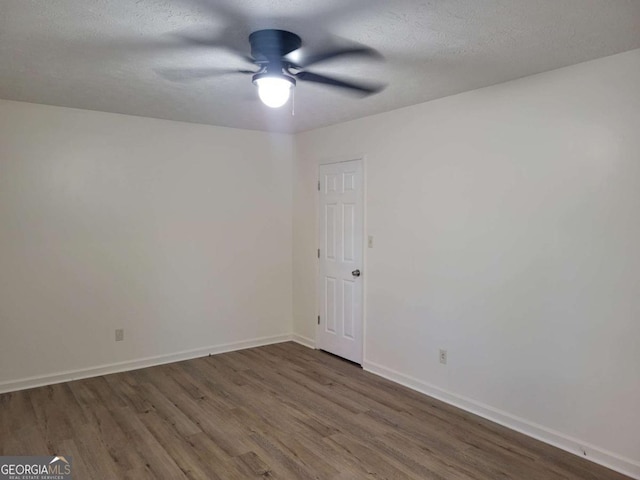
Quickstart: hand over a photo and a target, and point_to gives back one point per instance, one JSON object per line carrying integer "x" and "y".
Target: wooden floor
{"x": 282, "y": 411}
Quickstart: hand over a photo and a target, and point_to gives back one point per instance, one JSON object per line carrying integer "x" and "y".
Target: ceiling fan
{"x": 272, "y": 51}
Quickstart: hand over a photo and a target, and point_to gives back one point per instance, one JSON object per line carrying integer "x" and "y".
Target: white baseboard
{"x": 572, "y": 445}
{"x": 307, "y": 342}
{"x": 67, "y": 376}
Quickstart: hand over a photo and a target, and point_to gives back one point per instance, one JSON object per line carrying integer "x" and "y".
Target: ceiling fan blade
{"x": 338, "y": 52}
{"x": 188, "y": 74}
{"x": 198, "y": 41}
{"x": 366, "y": 89}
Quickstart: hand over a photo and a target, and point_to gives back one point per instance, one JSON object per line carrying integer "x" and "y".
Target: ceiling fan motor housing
{"x": 272, "y": 45}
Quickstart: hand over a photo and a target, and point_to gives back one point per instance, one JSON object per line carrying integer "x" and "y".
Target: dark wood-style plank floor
{"x": 281, "y": 411}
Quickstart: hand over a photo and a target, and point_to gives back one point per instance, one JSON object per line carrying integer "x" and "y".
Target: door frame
{"x": 330, "y": 161}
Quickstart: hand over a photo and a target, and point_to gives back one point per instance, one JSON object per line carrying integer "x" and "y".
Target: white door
{"x": 339, "y": 329}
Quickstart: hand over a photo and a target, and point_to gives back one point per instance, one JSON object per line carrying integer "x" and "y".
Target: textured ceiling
{"x": 102, "y": 54}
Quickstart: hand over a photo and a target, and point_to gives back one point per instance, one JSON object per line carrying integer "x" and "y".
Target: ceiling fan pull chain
{"x": 293, "y": 103}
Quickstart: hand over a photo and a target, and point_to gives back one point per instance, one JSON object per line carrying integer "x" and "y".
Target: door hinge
{"x": 318, "y": 185}
{"x": 318, "y": 253}
{"x": 318, "y": 319}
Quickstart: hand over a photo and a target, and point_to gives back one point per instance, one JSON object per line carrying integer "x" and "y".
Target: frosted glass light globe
{"x": 273, "y": 91}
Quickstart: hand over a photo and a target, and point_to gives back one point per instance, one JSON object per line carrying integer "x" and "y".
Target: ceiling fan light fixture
{"x": 274, "y": 90}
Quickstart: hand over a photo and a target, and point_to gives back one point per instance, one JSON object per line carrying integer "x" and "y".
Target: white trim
{"x": 582, "y": 449}
{"x": 305, "y": 341}
{"x": 365, "y": 255}
{"x": 69, "y": 375}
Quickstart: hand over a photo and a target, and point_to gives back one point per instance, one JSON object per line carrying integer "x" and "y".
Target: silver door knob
{"x": 356, "y": 273}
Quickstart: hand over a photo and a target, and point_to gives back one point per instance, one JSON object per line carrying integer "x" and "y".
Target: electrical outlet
{"x": 443, "y": 357}
{"x": 119, "y": 334}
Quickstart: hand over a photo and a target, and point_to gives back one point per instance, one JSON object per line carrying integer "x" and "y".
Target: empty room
{"x": 304, "y": 239}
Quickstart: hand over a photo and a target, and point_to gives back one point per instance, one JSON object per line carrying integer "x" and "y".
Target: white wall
{"x": 506, "y": 224}
{"x": 178, "y": 233}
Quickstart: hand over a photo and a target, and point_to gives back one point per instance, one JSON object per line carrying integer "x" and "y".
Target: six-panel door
{"x": 341, "y": 237}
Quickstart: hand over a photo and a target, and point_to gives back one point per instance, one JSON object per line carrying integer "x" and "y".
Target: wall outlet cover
{"x": 443, "y": 357}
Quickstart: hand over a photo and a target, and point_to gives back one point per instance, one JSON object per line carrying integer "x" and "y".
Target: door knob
{"x": 356, "y": 273}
